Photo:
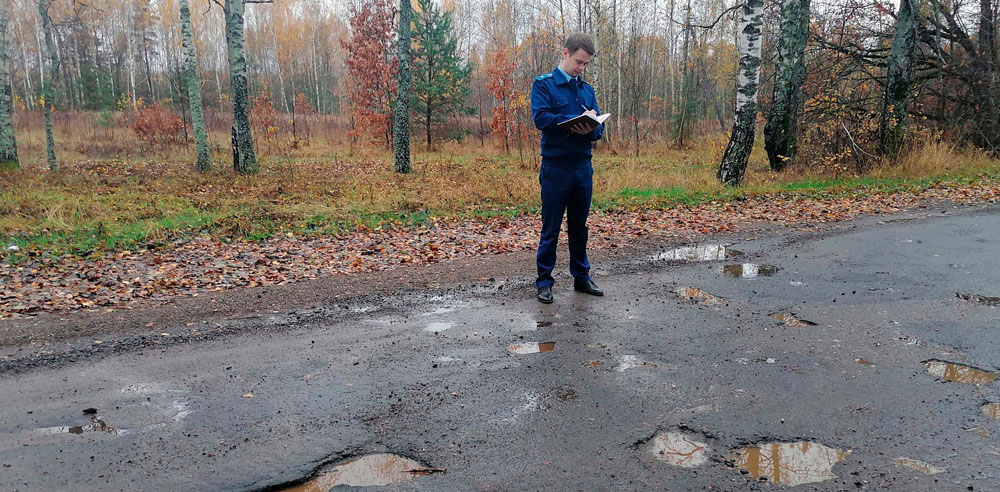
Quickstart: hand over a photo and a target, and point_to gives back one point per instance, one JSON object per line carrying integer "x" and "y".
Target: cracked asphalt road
{"x": 431, "y": 377}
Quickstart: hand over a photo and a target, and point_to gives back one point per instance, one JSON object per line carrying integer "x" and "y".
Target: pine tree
{"x": 442, "y": 78}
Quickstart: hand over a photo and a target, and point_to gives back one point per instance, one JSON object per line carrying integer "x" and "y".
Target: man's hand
{"x": 582, "y": 129}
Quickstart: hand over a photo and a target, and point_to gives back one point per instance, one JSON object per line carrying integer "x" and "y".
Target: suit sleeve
{"x": 541, "y": 107}
{"x": 598, "y": 132}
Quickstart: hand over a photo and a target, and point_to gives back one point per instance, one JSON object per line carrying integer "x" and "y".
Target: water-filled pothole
{"x": 991, "y": 410}
{"x": 96, "y": 425}
{"x": 749, "y": 270}
{"x": 707, "y": 252}
{"x": 958, "y": 373}
{"x": 367, "y": 471}
{"x": 790, "y": 319}
{"x": 694, "y": 294}
{"x": 987, "y": 300}
{"x": 627, "y": 362}
{"x": 920, "y": 466}
{"x": 531, "y": 348}
{"x": 790, "y": 463}
{"x": 680, "y": 450}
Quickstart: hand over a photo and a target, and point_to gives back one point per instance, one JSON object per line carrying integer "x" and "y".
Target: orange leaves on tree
{"x": 372, "y": 68}
{"x": 510, "y": 97}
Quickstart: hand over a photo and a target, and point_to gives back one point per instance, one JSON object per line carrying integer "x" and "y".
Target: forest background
{"x": 320, "y": 93}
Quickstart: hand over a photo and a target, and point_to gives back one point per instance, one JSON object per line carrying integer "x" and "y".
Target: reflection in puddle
{"x": 594, "y": 364}
{"x": 543, "y": 324}
{"x": 789, "y": 319}
{"x": 920, "y": 466}
{"x": 95, "y": 425}
{"x": 531, "y": 348}
{"x": 958, "y": 373}
{"x": 991, "y": 410}
{"x": 708, "y": 252}
{"x": 987, "y": 300}
{"x": 790, "y": 463}
{"x": 370, "y": 470}
{"x": 439, "y": 326}
{"x": 864, "y": 362}
{"x": 749, "y": 270}
{"x": 680, "y": 450}
{"x": 979, "y": 431}
{"x": 701, "y": 296}
{"x": 632, "y": 361}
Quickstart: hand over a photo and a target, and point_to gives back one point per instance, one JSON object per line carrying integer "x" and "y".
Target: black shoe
{"x": 545, "y": 295}
{"x": 587, "y": 287}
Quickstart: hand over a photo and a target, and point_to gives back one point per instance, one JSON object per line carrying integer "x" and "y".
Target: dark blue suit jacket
{"x": 554, "y": 99}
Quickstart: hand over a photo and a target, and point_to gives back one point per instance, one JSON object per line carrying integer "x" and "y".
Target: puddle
{"x": 699, "y": 295}
{"x": 631, "y": 362}
{"x": 708, "y": 252}
{"x": 367, "y": 471}
{"x": 543, "y": 324}
{"x": 991, "y": 410}
{"x": 987, "y": 300}
{"x": 790, "y": 463}
{"x": 979, "y": 431}
{"x": 531, "y": 348}
{"x": 95, "y": 425}
{"x": 920, "y": 466}
{"x": 789, "y": 319}
{"x": 958, "y": 373}
{"x": 864, "y": 362}
{"x": 749, "y": 270}
{"x": 679, "y": 450}
{"x": 439, "y": 326}
{"x": 594, "y": 364}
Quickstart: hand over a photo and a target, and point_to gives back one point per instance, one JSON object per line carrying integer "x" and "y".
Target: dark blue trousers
{"x": 564, "y": 190}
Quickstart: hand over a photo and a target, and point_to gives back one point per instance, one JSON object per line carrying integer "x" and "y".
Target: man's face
{"x": 575, "y": 63}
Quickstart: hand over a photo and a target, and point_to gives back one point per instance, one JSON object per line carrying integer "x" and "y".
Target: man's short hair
{"x": 580, "y": 41}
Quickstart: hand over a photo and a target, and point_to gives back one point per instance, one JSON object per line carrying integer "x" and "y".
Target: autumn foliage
{"x": 372, "y": 69}
{"x": 158, "y": 125}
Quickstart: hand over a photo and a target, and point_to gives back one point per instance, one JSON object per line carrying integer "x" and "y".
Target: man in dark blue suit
{"x": 566, "y": 176}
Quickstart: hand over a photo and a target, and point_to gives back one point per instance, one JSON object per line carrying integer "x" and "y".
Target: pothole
{"x": 439, "y": 326}
{"x": 632, "y": 361}
{"x": 790, "y": 463}
{"x": 367, "y": 471}
{"x": 531, "y": 348}
{"x": 987, "y": 300}
{"x": 694, "y": 294}
{"x": 920, "y": 466}
{"x": 680, "y": 450}
{"x": 991, "y": 410}
{"x": 958, "y": 373}
{"x": 749, "y": 270}
{"x": 790, "y": 319}
{"x": 96, "y": 425}
{"x": 864, "y": 362}
{"x": 707, "y": 252}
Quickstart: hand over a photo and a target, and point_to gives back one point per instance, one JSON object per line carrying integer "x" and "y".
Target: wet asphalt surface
{"x": 431, "y": 378}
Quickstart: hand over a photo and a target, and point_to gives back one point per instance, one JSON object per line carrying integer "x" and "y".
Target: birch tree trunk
{"x": 734, "y": 160}
{"x": 244, "y": 157}
{"x": 8, "y": 138}
{"x": 402, "y": 117}
{"x": 204, "y": 162}
{"x": 892, "y": 127}
{"x": 781, "y": 130}
{"x": 47, "y": 93}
